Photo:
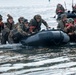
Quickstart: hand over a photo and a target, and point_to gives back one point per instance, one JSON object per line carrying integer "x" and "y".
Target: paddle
{"x": 65, "y": 5}
{"x": 72, "y": 2}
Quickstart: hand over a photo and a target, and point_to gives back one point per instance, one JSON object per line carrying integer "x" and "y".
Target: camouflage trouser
{"x": 4, "y": 38}
{"x": 10, "y": 39}
{"x": 13, "y": 37}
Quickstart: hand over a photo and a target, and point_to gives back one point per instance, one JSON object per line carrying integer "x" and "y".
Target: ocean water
{"x": 15, "y": 60}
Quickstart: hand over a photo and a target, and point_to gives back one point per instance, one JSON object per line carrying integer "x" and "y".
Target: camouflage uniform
{"x": 19, "y": 32}
{"x": 37, "y": 25}
{"x": 7, "y": 28}
{"x": 62, "y": 22}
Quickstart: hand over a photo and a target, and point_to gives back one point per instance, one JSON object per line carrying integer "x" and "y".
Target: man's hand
{"x": 48, "y": 28}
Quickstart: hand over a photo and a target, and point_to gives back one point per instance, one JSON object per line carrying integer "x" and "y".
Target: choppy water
{"x": 15, "y": 60}
{"x": 42, "y": 61}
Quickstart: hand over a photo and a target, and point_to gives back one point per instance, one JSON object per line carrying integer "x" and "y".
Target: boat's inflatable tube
{"x": 71, "y": 15}
{"x": 46, "y": 38}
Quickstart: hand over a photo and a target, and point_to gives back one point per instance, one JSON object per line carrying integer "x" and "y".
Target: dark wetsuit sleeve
{"x": 45, "y": 23}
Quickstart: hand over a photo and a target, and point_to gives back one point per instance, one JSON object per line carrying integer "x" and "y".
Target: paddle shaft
{"x": 72, "y": 2}
{"x": 65, "y": 5}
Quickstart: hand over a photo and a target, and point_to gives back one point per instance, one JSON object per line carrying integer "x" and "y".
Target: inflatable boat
{"x": 46, "y": 38}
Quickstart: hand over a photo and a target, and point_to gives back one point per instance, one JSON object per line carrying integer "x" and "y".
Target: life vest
{"x": 69, "y": 25}
{"x": 59, "y": 11}
{"x": 74, "y": 7}
{"x": 1, "y": 24}
{"x": 32, "y": 28}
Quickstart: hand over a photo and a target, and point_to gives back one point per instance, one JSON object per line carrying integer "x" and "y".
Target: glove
{"x": 48, "y": 28}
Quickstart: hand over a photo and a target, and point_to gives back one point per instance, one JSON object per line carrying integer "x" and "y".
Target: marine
{"x": 36, "y": 22}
